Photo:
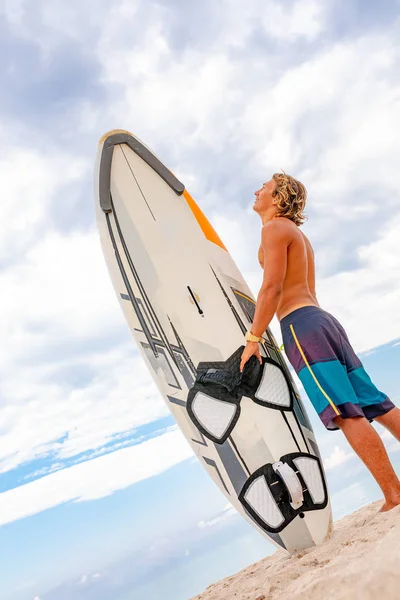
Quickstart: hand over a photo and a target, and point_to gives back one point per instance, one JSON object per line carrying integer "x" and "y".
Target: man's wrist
{"x": 250, "y": 337}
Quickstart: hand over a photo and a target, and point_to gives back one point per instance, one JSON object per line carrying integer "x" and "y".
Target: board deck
{"x": 188, "y": 305}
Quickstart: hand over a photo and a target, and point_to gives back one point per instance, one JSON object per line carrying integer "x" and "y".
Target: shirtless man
{"x": 315, "y": 343}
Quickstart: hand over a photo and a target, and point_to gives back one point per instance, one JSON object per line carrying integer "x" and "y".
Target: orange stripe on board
{"x": 205, "y": 225}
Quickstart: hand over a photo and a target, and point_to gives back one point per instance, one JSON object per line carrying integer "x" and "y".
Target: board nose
{"x": 113, "y": 132}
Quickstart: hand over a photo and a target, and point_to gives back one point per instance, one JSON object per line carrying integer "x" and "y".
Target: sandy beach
{"x": 360, "y": 561}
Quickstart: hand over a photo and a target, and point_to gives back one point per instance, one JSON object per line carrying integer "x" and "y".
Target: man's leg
{"x": 391, "y": 421}
{"x": 367, "y": 444}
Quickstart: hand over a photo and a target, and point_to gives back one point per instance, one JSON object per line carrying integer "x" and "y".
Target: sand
{"x": 361, "y": 561}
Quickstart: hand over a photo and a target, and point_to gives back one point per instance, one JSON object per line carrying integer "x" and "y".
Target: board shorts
{"x": 333, "y": 376}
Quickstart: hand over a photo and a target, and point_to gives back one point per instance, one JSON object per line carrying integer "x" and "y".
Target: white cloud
{"x": 58, "y": 312}
{"x": 369, "y": 353}
{"x": 302, "y": 19}
{"x": 29, "y": 180}
{"x": 391, "y": 443}
{"x": 42, "y": 409}
{"x": 337, "y": 458}
{"x": 366, "y": 298}
{"x": 58, "y": 20}
{"x": 87, "y": 578}
{"x": 95, "y": 478}
{"x": 59, "y": 291}
{"x": 221, "y": 517}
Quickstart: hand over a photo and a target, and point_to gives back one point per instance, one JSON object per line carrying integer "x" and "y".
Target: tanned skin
{"x": 287, "y": 259}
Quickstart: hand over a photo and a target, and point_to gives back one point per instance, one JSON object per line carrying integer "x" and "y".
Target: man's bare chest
{"x": 261, "y": 257}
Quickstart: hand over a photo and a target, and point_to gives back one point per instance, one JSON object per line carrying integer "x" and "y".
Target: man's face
{"x": 264, "y": 198}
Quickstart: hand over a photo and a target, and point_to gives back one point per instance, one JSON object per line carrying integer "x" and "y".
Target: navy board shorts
{"x": 333, "y": 376}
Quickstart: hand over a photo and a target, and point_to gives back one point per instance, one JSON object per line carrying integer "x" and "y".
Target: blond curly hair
{"x": 291, "y": 198}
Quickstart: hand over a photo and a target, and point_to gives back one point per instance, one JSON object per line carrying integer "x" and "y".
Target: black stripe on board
{"x": 144, "y": 153}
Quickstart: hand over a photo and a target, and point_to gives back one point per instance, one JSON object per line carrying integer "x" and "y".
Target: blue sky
{"x": 100, "y": 496}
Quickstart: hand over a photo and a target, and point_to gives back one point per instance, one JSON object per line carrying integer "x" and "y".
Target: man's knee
{"x": 342, "y": 423}
{"x": 389, "y": 416}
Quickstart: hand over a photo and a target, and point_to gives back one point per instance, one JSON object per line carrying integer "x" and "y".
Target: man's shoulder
{"x": 281, "y": 227}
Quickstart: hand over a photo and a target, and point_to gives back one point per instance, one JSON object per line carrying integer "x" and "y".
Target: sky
{"x": 100, "y": 495}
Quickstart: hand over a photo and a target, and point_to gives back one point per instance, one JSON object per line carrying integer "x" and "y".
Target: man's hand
{"x": 251, "y": 349}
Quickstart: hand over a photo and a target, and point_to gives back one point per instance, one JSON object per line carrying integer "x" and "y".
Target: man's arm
{"x": 276, "y": 237}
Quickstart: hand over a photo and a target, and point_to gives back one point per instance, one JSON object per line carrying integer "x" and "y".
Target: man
{"x": 315, "y": 343}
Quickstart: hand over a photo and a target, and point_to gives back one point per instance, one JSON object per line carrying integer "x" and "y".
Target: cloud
{"x": 371, "y": 292}
{"x": 85, "y": 578}
{"x": 369, "y": 353}
{"x": 69, "y": 356}
{"x": 95, "y": 478}
{"x": 302, "y": 19}
{"x": 28, "y": 198}
{"x": 53, "y": 71}
{"x": 221, "y": 517}
{"x": 48, "y": 417}
{"x": 391, "y": 443}
{"x": 337, "y": 458}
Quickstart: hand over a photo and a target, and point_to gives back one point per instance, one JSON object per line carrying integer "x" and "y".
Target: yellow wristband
{"x": 254, "y": 338}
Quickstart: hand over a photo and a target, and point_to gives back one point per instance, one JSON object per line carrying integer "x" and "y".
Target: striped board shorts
{"x": 333, "y": 377}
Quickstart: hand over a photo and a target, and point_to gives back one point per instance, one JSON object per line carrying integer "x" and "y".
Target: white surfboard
{"x": 188, "y": 308}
